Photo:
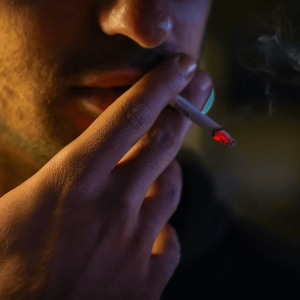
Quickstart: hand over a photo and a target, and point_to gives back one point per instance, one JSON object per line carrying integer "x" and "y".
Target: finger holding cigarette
{"x": 171, "y": 127}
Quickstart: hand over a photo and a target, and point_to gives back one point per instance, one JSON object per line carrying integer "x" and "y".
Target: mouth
{"x": 95, "y": 100}
{"x": 90, "y": 92}
{"x": 121, "y": 89}
{"x": 97, "y": 92}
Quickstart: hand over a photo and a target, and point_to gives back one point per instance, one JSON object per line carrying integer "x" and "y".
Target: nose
{"x": 147, "y": 22}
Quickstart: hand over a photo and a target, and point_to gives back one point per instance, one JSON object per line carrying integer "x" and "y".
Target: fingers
{"x": 160, "y": 203}
{"x": 164, "y": 259}
{"x": 199, "y": 89}
{"x": 122, "y": 124}
{"x": 156, "y": 149}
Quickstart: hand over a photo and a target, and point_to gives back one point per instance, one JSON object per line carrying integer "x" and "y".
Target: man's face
{"x": 60, "y": 58}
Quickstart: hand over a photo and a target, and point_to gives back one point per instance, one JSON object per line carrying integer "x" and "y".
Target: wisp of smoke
{"x": 277, "y": 45}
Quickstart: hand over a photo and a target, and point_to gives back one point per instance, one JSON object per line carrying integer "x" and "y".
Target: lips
{"x": 97, "y": 92}
{"x": 126, "y": 77}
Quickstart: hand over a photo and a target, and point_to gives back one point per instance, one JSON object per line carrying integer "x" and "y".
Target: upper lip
{"x": 123, "y": 72}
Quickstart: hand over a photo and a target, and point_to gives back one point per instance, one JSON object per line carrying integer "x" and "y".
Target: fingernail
{"x": 187, "y": 64}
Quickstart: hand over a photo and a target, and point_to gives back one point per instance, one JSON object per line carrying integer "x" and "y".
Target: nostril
{"x": 148, "y": 23}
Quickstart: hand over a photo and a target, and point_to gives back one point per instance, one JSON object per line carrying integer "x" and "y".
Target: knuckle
{"x": 116, "y": 205}
{"x": 173, "y": 82}
{"x": 173, "y": 185}
{"x": 138, "y": 116}
{"x": 174, "y": 175}
{"x": 165, "y": 138}
{"x": 171, "y": 192}
{"x": 116, "y": 218}
{"x": 170, "y": 86}
{"x": 171, "y": 198}
{"x": 176, "y": 170}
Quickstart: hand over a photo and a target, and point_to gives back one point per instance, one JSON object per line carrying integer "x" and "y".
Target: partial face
{"x": 61, "y": 59}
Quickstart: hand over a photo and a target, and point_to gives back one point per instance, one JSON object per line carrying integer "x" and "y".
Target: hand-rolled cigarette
{"x": 206, "y": 123}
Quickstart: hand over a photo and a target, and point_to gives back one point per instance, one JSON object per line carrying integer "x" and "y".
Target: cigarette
{"x": 206, "y": 123}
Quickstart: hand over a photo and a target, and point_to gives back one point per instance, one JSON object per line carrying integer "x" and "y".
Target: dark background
{"x": 260, "y": 176}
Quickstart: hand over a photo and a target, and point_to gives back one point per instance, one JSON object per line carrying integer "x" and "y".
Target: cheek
{"x": 192, "y": 11}
{"x": 60, "y": 22}
{"x": 194, "y": 39}
{"x": 189, "y": 25}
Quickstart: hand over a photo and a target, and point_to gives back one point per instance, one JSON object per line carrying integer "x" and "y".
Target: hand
{"x": 91, "y": 224}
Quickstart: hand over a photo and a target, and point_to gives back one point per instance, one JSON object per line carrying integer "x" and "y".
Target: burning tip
{"x": 224, "y": 138}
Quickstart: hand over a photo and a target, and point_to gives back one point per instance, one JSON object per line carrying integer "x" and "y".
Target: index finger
{"x": 124, "y": 122}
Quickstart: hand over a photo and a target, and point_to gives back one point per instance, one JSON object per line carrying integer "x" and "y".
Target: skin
{"x": 80, "y": 221}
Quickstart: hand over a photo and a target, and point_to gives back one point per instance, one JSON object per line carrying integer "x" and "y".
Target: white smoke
{"x": 277, "y": 52}
{"x": 268, "y": 44}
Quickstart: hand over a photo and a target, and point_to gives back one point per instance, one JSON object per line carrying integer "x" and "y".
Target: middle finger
{"x": 158, "y": 147}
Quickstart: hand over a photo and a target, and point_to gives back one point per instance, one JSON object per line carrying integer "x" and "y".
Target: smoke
{"x": 277, "y": 52}
{"x": 272, "y": 51}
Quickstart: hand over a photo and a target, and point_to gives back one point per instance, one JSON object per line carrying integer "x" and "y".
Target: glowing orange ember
{"x": 224, "y": 138}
